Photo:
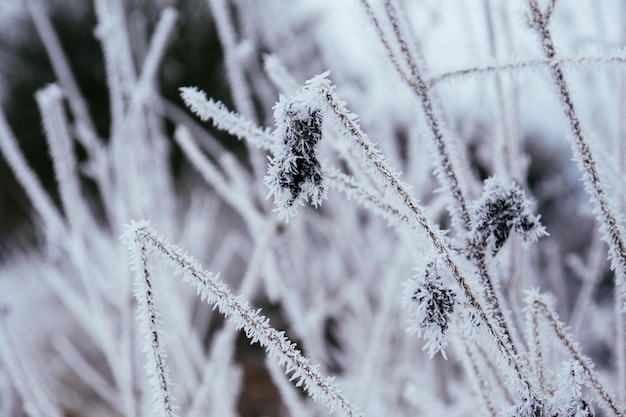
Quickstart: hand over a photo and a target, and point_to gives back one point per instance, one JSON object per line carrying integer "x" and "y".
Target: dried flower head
{"x": 430, "y": 304}
{"x": 499, "y": 211}
{"x": 294, "y": 172}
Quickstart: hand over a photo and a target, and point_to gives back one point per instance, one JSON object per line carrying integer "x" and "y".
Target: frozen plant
{"x": 143, "y": 244}
{"x": 499, "y": 212}
{"x": 295, "y": 212}
{"x": 430, "y": 304}
{"x": 568, "y": 398}
{"x": 294, "y": 172}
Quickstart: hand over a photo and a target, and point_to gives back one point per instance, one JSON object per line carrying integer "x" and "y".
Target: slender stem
{"x": 536, "y": 350}
{"x": 55, "y": 225}
{"x": 611, "y": 231}
{"x": 234, "y": 69}
{"x": 482, "y": 387}
{"x": 150, "y": 323}
{"x": 502, "y": 141}
{"x": 617, "y": 58}
{"x": 61, "y": 67}
{"x": 371, "y": 154}
{"x": 416, "y": 81}
{"x": 446, "y": 170}
{"x": 620, "y": 151}
{"x": 142, "y": 240}
{"x": 61, "y": 146}
{"x": 539, "y": 306}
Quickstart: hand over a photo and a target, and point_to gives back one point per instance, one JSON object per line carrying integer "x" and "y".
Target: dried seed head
{"x": 499, "y": 211}
{"x": 430, "y": 304}
{"x": 294, "y": 173}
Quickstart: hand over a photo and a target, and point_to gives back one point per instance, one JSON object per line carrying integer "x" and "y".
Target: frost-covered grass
{"x": 399, "y": 236}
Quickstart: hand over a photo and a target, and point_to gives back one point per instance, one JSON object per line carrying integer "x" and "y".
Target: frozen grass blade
{"x": 52, "y": 219}
{"x": 539, "y": 307}
{"x": 610, "y": 227}
{"x": 211, "y": 174}
{"x": 143, "y": 243}
{"x": 615, "y": 57}
{"x": 56, "y": 55}
{"x": 222, "y": 118}
{"x": 158, "y": 44}
{"x": 61, "y": 145}
{"x": 234, "y": 66}
{"x": 412, "y": 74}
{"x": 150, "y": 329}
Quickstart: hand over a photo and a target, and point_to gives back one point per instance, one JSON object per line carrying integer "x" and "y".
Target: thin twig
{"x": 618, "y": 58}
{"x": 141, "y": 240}
{"x": 539, "y": 306}
{"x": 610, "y": 228}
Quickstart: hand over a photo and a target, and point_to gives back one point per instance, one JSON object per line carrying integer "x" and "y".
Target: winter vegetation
{"x": 360, "y": 207}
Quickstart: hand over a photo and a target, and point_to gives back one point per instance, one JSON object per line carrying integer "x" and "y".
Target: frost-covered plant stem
{"x": 611, "y": 231}
{"x": 217, "y": 180}
{"x": 479, "y": 380}
{"x": 222, "y": 118}
{"x": 416, "y": 81}
{"x": 620, "y": 336}
{"x": 143, "y": 241}
{"x": 536, "y": 349}
{"x": 158, "y": 43}
{"x": 234, "y": 70}
{"x": 539, "y": 307}
{"x": 446, "y": 170}
{"x": 616, "y": 57}
{"x": 112, "y": 33}
{"x": 371, "y": 157}
{"x": 620, "y": 151}
{"x": 398, "y": 209}
{"x": 61, "y": 145}
{"x": 234, "y": 55}
{"x": 85, "y": 127}
{"x": 502, "y": 155}
{"x": 150, "y": 325}
{"x": 53, "y": 222}
{"x": 379, "y": 170}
